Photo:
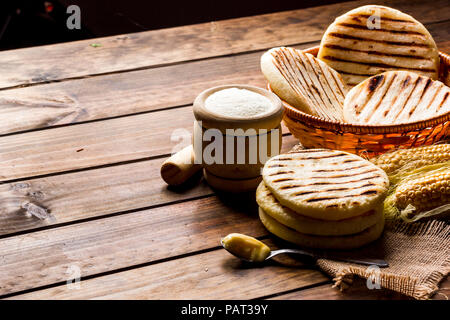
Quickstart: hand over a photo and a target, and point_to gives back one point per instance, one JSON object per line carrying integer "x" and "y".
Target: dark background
{"x": 25, "y": 23}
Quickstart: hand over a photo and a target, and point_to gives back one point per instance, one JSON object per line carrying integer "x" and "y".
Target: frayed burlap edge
{"x": 344, "y": 277}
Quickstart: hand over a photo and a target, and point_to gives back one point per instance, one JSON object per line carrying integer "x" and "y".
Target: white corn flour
{"x": 240, "y": 103}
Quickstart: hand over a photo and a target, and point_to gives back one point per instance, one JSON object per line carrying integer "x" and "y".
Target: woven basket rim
{"x": 296, "y": 114}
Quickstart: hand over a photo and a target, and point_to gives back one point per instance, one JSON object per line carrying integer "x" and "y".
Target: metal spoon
{"x": 266, "y": 254}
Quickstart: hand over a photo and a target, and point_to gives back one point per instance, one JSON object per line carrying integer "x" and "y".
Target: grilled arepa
{"x": 325, "y": 184}
{"x": 322, "y": 242}
{"x": 396, "y": 97}
{"x": 303, "y": 224}
{"x": 373, "y": 39}
{"x": 304, "y": 82}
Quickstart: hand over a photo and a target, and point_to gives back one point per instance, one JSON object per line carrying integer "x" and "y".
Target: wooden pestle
{"x": 180, "y": 167}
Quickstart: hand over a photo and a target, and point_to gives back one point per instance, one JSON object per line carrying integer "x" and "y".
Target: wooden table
{"x": 85, "y": 127}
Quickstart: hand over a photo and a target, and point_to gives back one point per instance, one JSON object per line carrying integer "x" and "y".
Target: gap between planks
{"x": 84, "y": 101}
{"x": 212, "y": 275}
{"x": 121, "y": 140}
{"x": 124, "y": 241}
{"x": 295, "y": 44}
{"x": 137, "y": 50}
{"x": 357, "y": 291}
{"x": 71, "y": 197}
{"x": 162, "y": 65}
{"x": 40, "y": 147}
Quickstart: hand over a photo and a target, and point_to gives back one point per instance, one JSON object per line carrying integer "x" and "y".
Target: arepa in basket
{"x": 396, "y": 97}
{"x": 373, "y": 40}
{"x": 305, "y": 82}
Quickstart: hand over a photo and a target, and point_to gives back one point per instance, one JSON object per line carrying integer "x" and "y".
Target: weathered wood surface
{"x": 155, "y": 48}
{"x": 87, "y": 149}
{"x": 210, "y": 275}
{"x": 42, "y": 258}
{"x": 358, "y": 291}
{"x": 147, "y": 90}
{"x": 87, "y": 194}
{"x": 97, "y": 143}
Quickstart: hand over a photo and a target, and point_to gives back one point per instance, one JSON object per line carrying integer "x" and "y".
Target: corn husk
{"x": 408, "y": 172}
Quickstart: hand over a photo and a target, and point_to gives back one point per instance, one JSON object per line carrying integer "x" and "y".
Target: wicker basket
{"x": 367, "y": 140}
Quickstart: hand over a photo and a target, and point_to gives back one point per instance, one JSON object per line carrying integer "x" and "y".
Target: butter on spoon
{"x": 245, "y": 247}
{"x": 252, "y": 250}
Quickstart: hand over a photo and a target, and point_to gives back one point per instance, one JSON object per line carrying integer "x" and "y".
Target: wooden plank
{"x": 210, "y": 275}
{"x": 123, "y": 93}
{"x": 133, "y": 92}
{"x": 122, "y": 241}
{"x": 90, "y": 144}
{"x": 358, "y": 291}
{"x": 85, "y": 195}
{"x": 93, "y": 193}
{"x": 173, "y": 45}
{"x": 93, "y": 144}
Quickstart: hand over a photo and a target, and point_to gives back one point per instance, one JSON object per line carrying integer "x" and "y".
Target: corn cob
{"x": 413, "y": 158}
{"x": 426, "y": 192}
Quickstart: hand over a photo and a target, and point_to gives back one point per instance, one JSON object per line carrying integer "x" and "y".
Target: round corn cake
{"x": 270, "y": 205}
{"x": 322, "y": 242}
{"x": 373, "y": 39}
{"x": 325, "y": 184}
{"x": 304, "y": 82}
{"x": 396, "y": 97}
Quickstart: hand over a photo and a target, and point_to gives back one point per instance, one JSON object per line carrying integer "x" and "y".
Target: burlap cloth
{"x": 418, "y": 255}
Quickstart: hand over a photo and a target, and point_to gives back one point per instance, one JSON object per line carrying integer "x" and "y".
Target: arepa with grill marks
{"x": 343, "y": 242}
{"x": 306, "y": 225}
{"x": 304, "y": 82}
{"x": 325, "y": 184}
{"x": 396, "y": 97}
{"x": 373, "y": 39}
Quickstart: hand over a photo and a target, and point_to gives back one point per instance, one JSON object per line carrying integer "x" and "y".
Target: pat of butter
{"x": 245, "y": 247}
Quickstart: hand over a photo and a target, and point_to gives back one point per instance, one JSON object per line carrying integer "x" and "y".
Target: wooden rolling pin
{"x": 180, "y": 167}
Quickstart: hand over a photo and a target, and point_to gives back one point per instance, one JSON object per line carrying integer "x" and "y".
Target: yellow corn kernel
{"x": 417, "y": 157}
{"x": 426, "y": 192}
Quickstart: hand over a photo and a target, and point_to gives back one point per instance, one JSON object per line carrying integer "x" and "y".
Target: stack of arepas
{"x": 323, "y": 199}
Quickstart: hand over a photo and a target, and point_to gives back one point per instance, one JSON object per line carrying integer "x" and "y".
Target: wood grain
{"x": 124, "y": 93}
{"x": 42, "y": 258}
{"x": 94, "y": 193}
{"x": 95, "y": 144}
{"x": 358, "y": 291}
{"x": 115, "y": 218}
{"x": 84, "y": 195}
{"x": 92, "y": 144}
{"x": 210, "y": 275}
{"x": 89, "y": 144}
{"x": 174, "y": 45}
{"x": 139, "y": 91}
